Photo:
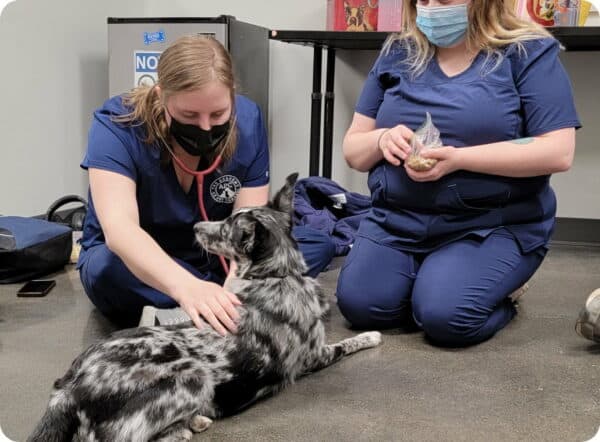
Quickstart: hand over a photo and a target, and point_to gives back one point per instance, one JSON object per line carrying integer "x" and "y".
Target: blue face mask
{"x": 444, "y": 26}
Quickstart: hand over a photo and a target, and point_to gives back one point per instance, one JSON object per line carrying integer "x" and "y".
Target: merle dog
{"x": 163, "y": 383}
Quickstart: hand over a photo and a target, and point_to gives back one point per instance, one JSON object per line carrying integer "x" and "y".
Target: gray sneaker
{"x": 588, "y": 324}
{"x": 152, "y": 316}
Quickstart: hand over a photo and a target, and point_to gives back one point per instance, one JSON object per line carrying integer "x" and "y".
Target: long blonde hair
{"x": 492, "y": 25}
{"x": 190, "y": 63}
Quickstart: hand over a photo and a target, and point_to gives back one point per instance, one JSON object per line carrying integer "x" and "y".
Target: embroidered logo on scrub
{"x": 224, "y": 189}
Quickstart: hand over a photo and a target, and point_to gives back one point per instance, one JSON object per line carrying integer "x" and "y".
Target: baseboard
{"x": 577, "y": 231}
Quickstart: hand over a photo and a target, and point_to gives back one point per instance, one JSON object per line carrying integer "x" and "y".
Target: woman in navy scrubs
{"x": 446, "y": 247}
{"x": 144, "y": 148}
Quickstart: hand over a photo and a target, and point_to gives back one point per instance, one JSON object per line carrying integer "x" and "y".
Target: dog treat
{"x": 427, "y": 136}
{"x": 419, "y": 163}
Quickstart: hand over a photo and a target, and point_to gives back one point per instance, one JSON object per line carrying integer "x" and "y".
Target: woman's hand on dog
{"x": 211, "y": 301}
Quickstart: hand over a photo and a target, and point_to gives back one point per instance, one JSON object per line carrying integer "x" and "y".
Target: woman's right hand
{"x": 211, "y": 301}
{"x": 394, "y": 143}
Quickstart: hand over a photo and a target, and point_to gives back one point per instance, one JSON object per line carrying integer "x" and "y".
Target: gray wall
{"x": 577, "y": 190}
{"x": 54, "y": 73}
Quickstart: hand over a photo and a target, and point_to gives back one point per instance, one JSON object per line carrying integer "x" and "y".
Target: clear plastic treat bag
{"x": 426, "y": 137}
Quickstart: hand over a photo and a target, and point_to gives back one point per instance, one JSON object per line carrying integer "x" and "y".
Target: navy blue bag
{"x": 32, "y": 247}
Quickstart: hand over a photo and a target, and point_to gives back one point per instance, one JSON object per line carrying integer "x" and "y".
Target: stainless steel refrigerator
{"x": 135, "y": 45}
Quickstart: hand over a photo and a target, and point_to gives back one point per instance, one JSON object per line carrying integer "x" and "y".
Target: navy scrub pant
{"x": 458, "y": 294}
{"x": 121, "y": 296}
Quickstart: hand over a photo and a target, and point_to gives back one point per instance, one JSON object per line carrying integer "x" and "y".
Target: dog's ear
{"x": 242, "y": 235}
{"x": 265, "y": 242}
{"x": 283, "y": 199}
{"x": 347, "y": 11}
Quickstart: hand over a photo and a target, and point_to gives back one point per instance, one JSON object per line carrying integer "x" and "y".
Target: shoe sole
{"x": 148, "y": 318}
{"x": 517, "y": 294}
{"x": 586, "y": 325}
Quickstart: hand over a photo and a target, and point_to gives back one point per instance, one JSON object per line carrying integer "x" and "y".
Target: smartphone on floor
{"x": 36, "y": 288}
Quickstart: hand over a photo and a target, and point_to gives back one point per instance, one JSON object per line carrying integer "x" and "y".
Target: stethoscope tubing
{"x": 199, "y": 177}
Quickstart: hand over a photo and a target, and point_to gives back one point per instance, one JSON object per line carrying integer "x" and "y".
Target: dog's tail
{"x": 58, "y": 423}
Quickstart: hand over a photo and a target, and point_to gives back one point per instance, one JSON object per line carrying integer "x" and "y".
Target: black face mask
{"x": 197, "y": 141}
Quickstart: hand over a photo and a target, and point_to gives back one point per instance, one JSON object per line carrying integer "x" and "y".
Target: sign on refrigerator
{"x": 146, "y": 63}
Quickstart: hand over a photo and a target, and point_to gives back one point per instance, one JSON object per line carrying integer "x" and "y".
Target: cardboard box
{"x": 553, "y": 12}
{"x": 539, "y": 11}
{"x": 352, "y": 15}
{"x": 389, "y": 18}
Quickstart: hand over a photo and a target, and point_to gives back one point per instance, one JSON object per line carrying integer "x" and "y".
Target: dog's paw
{"x": 370, "y": 339}
{"x": 185, "y": 435}
{"x": 181, "y": 435}
{"x": 200, "y": 423}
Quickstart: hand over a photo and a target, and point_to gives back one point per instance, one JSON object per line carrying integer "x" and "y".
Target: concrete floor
{"x": 535, "y": 381}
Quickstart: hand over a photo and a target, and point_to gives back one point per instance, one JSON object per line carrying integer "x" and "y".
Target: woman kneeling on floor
{"x": 446, "y": 244}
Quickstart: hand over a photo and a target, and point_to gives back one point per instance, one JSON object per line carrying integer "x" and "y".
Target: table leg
{"x": 328, "y": 122}
{"x": 315, "y": 113}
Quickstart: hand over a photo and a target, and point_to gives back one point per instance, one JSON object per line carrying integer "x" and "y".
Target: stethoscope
{"x": 199, "y": 177}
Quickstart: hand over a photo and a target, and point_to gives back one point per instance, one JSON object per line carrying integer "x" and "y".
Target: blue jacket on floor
{"x": 322, "y": 204}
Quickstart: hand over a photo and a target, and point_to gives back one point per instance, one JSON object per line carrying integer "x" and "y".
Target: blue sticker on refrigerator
{"x": 154, "y": 37}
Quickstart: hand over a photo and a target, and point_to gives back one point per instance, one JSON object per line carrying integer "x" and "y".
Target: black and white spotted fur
{"x": 163, "y": 383}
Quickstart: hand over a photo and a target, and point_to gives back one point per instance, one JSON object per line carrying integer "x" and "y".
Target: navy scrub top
{"x": 523, "y": 96}
{"x": 166, "y": 212}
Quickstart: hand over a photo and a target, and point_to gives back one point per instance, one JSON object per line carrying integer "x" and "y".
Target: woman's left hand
{"x": 446, "y": 163}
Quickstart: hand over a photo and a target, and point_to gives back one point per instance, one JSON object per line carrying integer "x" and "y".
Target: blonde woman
{"x": 446, "y": 245}
{"x": 147, "y": 152}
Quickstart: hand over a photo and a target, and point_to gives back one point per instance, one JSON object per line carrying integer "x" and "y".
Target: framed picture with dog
{"x": 352, "y": 15}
